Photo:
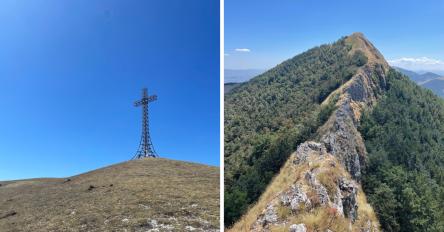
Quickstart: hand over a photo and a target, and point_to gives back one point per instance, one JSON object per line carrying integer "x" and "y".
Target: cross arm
{"x": 145, "y": 100}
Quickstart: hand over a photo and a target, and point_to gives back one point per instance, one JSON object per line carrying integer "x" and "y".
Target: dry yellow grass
{"x": 319, "y": 218}
{"x": 122, "y": 197}
{"x": 365, "y": 213}
{"x": 329, "y": 179}
{"x": 287, "y": 176}
{"x": 358, "y": 42}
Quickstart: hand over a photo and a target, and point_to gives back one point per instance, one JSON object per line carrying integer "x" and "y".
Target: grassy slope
{"x": 124, "y": 196}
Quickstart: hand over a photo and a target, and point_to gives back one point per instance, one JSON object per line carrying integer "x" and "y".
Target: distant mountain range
{"x": 234, "y": 77}
{"x": 241, "y": 75}
{"x": 430, "y": 80}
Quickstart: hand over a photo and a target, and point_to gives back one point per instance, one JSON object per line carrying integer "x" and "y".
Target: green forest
{"x": 269, "y": 116}
{"x": 404, "y": 177}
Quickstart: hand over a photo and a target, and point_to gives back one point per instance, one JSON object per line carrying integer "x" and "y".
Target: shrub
{"x": 359, "y": 58}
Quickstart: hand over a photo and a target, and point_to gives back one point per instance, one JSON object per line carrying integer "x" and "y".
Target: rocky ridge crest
{"x": 318, "y": 188}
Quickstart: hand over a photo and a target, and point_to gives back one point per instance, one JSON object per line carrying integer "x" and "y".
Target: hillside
{"x": 230, "y": 86}
{"x": 315, "y": 168}
{"x": 404, "y": 136}
{"x": 150, "y": 194}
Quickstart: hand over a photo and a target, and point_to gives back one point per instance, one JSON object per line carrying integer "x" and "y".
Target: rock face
{"x": 340, "y": 134}
{"x": 349, "y": 192}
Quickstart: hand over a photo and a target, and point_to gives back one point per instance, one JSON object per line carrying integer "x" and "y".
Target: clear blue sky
{"x": 277, "y": 30}
{"x": 71, "y": 70}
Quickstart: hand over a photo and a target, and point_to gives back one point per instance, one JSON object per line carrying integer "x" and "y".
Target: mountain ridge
{"x": 305, "y": 81}
{"x": 364, "y": 146}
{"x": 340, "y": 142}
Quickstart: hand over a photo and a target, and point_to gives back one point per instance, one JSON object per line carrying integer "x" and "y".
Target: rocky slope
{"x": 315, "y": 193}
{"x": 318, "y": 188}
{"x": 140, "y": 195}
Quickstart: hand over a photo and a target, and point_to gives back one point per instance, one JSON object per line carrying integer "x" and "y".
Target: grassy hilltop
{"x": 138, "y": 195}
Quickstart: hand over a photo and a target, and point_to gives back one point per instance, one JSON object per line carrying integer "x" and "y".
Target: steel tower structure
{"x": 146, "y": 148}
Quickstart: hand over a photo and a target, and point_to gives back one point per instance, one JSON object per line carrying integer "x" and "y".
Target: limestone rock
{"x": 296, "y": 198}
{"x": 337, "y": 202}
{"x": 269, "y": 216}
{"x": 321, "y": 191}
{"x": 298, "y": 228}
{"x": 340, "y": 134}
{"x": 306, "y": 149}
{"x": 349, "y": 200}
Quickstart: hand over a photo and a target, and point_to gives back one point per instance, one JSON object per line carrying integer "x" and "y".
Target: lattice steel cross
{"x": 146, "y": 148}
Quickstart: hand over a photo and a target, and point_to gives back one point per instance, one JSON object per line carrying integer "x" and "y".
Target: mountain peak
{"x": 358, "y": 35}
{"x": 360, "y": 43}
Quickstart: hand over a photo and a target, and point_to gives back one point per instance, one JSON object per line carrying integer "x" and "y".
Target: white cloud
{"x": 417, "y": 64}
{"x": 242, "y": 50}
{"x": 226, "y": 54}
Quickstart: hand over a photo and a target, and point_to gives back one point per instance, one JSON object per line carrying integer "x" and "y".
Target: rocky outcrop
{"x": 268, "y": 217}
{"x": 349, "y": 192}
{"x": 298, "y": 228}
{"x": 295, "y": 198}
{"x": 340, "y": 134}
{"x": 308, "y": 148}
{"x": 321, "y": 186}
{"x": 320, "y": 190}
